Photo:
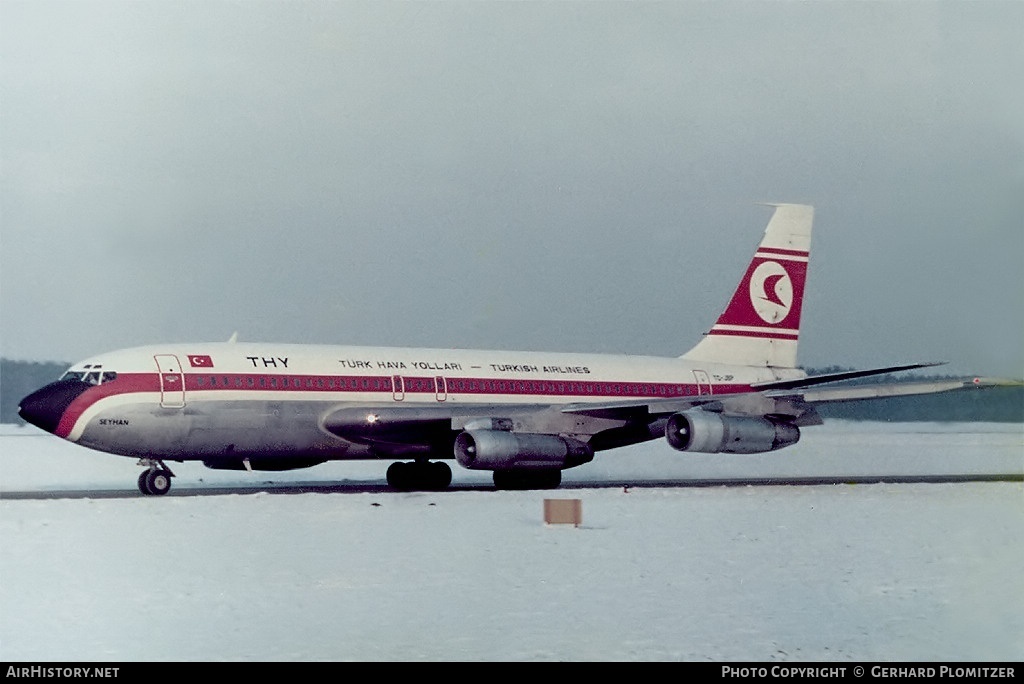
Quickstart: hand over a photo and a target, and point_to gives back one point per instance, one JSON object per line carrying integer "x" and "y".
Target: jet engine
{"x": 711, "y": 433}
{"x": 500, "y": 450}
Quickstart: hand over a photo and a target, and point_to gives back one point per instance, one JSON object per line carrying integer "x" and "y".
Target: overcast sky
{"x": 530, "y": 175}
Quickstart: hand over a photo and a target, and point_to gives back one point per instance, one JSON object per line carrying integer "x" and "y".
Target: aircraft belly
{"x": 203, "y": 430}
{"x": 140, "y": 429}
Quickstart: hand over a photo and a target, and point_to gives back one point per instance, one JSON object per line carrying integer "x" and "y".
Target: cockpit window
{"x": 94, "y": 375}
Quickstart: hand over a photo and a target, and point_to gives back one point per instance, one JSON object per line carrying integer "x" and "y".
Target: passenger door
{"x": 703, "y": 382}
{"x": 172, "y": 381}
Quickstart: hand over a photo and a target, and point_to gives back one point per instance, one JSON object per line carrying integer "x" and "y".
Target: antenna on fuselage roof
{"x": 233, "y": 338}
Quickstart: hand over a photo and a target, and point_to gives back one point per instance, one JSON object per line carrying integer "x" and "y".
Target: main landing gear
{"x": 437, "y": 475}
{"x": 156, "y": 479}
{"x": 419, "y": 475}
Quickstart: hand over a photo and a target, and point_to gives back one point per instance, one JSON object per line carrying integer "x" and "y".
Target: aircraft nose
{"x": 44, "y": 407}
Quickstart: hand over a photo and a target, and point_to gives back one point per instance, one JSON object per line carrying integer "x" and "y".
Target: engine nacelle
{"x": 499, "y": 450}
{"x": 712, "y": 433}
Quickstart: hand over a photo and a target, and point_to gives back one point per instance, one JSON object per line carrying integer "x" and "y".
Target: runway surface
{"x": 350, "y": 487}
{"x": 880, "y": 542}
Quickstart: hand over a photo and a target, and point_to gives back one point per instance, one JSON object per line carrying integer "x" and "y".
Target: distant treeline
{"x": 994, "y": 404}
{"x": 1000, "y": 404}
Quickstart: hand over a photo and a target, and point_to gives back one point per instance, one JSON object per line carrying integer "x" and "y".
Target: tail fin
{"x": 761, "y": 324}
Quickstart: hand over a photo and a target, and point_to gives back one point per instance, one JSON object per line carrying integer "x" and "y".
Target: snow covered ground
{"x": 870, "y": 572}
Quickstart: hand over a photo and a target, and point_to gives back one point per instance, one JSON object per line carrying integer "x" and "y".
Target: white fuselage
{"x": 196, "y": 401}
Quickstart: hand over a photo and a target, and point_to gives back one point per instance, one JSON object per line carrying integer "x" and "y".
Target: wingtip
{"x": 996, "y": 382}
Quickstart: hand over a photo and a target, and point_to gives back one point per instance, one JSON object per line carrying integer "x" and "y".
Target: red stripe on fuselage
{"x": 209, "y": 382}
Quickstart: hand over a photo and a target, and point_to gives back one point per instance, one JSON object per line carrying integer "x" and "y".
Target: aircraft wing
{"x": 791, "y": 398}
{"x": 810, "y": 380}
{"x": 395, "y": 428}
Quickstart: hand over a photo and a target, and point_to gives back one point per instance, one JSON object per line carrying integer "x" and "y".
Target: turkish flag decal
{"x": 200, "y": 361}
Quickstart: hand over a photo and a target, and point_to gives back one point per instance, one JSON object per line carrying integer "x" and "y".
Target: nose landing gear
{"x": 156, "y": 480}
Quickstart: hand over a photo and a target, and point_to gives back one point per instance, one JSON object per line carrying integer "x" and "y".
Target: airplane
{"x": 525, "y": 416}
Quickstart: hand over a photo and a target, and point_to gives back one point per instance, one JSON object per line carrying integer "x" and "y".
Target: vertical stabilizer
{"x": 761, "y": 324}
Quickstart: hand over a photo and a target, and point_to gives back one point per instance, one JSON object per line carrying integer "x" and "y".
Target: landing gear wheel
{"x": 155, "y": 482}
{"x": 398, "y": 477}
{"x": 419, "y": 475}
{"x": 440, "y": 475}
